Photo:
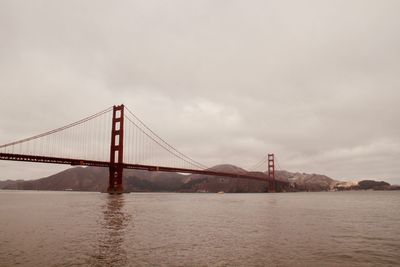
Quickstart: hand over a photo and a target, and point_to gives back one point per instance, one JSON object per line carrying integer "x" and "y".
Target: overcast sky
{"x": 315, "y": 82}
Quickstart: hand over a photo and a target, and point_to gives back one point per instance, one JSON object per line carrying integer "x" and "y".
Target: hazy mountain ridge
{"x": 210, "y": 183}
{"x": 307, "y": 182}
{"x": 367, "y": 185}
{"x": 96, "y": 179}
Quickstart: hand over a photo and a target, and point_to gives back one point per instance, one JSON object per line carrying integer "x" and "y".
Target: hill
{"x": 307, "y": 182}
{"x": 210, "y": 183}
{"x": 96, "y": 179}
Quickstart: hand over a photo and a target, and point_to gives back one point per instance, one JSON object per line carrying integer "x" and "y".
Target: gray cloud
{"x": 316, "y": 82}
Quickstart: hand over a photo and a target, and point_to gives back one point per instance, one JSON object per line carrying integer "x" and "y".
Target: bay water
{"x": 357, "y": 228}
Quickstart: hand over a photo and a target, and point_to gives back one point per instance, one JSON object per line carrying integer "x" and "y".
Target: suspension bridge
{"x": 117, "y": 139}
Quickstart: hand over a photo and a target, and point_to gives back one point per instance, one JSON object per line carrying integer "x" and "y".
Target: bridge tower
{"x": 116, "y": 151}
{"x": 271, "y": 173}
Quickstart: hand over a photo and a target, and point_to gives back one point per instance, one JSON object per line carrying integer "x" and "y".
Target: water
{"x": 292, "y": 229}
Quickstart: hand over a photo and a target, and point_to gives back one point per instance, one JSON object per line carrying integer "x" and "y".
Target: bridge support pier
{"x": 116, "y": 151}
{"x": 115, "y": 180}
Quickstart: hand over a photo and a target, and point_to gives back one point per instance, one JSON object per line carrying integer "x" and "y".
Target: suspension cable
{"x": 58, "y": 129}
{"x": 165, "y": 142}
{"x": 167, "y": 148}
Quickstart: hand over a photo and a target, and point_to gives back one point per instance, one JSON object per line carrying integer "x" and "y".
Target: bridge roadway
{"x": 83, "y": 162}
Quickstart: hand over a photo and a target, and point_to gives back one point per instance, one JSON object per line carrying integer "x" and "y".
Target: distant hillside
{"x": 308, "y": 182}
{"x": 367, "y": 185}
{"x": 96, "y": 179}
{"x": 209, "y": 183}
{"x": 9, "y": 183}
{"x": 370, "y": 184}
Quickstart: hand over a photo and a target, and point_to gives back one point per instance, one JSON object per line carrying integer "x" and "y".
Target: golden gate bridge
{"x": 133, "y": 146}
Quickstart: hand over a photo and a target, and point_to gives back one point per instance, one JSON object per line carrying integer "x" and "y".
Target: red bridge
{"x": 133, "y": 146}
